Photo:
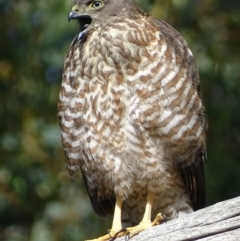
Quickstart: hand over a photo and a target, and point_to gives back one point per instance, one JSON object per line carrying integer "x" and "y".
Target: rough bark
{"x": 217, "y": 222}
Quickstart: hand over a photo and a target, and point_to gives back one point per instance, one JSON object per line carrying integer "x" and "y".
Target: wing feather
{"x": 193, "y": 174}
{"x": 194, "y": 180}
{"x": 102, "y": 207}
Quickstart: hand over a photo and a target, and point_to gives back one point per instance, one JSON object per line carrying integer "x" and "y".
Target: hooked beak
{"x": 83, "y": 19}
{"x": 80, "y": 17}
{"x": 72, "y": 15}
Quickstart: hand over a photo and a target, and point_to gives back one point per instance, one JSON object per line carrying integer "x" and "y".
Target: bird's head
{"x": 101, "y": 12}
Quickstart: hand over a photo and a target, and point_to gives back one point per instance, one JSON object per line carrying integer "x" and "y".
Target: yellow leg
{"x": 146, "y": 221}
{"x": 116, "y": 225}
{"x": 117, "y": 230}
{"x": 148, "y": 209}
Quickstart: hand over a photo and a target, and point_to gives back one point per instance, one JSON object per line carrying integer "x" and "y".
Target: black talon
{"x": 113, "y": 238}
{"x": 120, "y": 231}
{"x": 127, "y": 237}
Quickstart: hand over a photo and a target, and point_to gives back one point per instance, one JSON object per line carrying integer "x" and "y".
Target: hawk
{"x": 131, "y": 116}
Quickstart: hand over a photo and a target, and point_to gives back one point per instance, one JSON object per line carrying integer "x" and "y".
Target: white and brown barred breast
{"x": 130, "y": 111}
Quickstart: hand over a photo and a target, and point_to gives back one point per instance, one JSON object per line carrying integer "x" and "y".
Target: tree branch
{"x": 217, "y": 222}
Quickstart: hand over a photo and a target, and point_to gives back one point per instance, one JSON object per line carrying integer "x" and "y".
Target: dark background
{"x": 37, "y": 200}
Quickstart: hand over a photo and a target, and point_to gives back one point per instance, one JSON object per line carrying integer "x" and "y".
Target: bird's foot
{"x": 132, "y": 231}
{"x": 111, "y": 236}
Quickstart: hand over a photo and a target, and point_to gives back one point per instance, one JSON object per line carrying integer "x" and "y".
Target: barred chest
{"x": 97, "y": 93}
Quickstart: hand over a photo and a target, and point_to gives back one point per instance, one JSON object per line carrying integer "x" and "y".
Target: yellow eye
{"x": 96, "y": 5}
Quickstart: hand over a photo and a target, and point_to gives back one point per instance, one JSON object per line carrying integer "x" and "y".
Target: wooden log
{"x": 220, "y": 221}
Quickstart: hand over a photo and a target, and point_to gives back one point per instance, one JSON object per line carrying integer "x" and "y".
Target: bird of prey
{"x": 131, "y": 116}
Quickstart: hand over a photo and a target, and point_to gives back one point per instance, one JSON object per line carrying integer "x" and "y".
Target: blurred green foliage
{"x": 37, "y": 200}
